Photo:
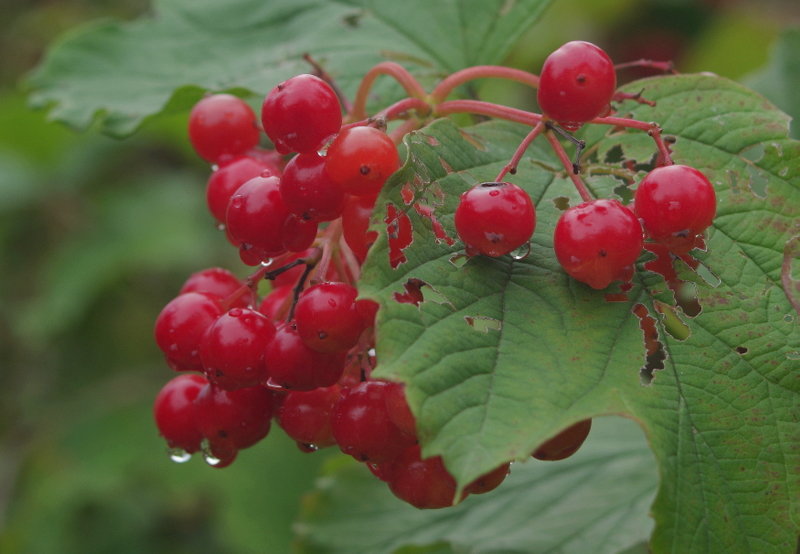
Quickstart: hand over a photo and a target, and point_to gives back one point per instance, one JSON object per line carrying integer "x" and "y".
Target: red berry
{"x": 597, "y": 242}
{"x": 362, "y": 426}
{"x": 175, "y": 415}
{"x": 298, "y": 233}
{"x": 489, "y": 481}
{"x": 495, "y": 218}
{"x": 576, "y": 84}
{"x": 224, "y": 182}
{"x": 425, "y": 484}
{"x": 300, "y": 113}
{"x": 235, "y": 419}
{"x": 275, "y": 305}
{"x": 564, "y": 444}
{"x": 220, "y": 283}
{"x": 355, "y": 224}
{"x": 256, "y": 214}
{"x": 306, "y": 415}
{"x": 232, "y": 349}
{"x": 308, "y": 191}
{"x": 222, "y": 126}
{"x": 327, "y": 318}
{"x": 292, "y": 365}
{"x": 360, "y": 159}
{"x": 399, "y": 411}
{"x": 676, "y": 203}
{"x": 181, "y": 325}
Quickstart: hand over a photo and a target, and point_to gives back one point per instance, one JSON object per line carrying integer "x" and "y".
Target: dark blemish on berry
{"x": 741, "y": 350}
{"x": 364, "y": 170}
{"x": 222, "y": 434}
{"x": 580, "y": 79}
{"x": 322, "y": 335}
{"x": 219, "y": 373}
{"x": 602, "y": 253}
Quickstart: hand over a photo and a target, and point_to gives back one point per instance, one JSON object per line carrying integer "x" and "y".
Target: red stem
{"x": 565, "y": 161}
{"x": 487, "y": 108}
{"x": 395, "y": 70}
{"x": 444, "y": 88}
{"x": 652, "y": 129}
{"x": 511, "y": 166}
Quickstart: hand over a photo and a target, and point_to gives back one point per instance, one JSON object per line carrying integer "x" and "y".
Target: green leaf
{"x": 721, "y": 416}
{"x": 124, "y": 73}
{"x": 597, "y": 501}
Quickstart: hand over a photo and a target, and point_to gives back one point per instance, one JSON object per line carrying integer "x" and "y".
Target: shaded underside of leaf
{"x": 596, "y": 501}
{"x": 124, "y": 73}
{"x": 721, "y": 416}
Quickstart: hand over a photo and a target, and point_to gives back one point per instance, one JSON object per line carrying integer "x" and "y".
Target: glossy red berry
{"x": 235, "y": 419}
{"x": 360, "y": 159}
{"x": 576, "y": 84}
{"x": 256, "y": 214}
{"x": 224, "y": 182}
{"x": 308, "y": 191}
{"x": 298, "y": 234}
{"x": 425, "y": 484}
{"x": 175, "y": 415}
{"x": 222, "y": 126}
{"x": 300, "y": 113}
{"x": 362, "y": 426}
{"x": 494, "y": 219}
{"x": 327, "y": 318}
{"x": 564, "y": 444}
{"x": 292, "y": 365}
{"x": 306, "y": 415}
{"x": 181, "y": 325}
{"x": 399, "y": 411}
{"x": 676, "y": 204}
{"x": 275, "y": 305}
{"x": 232, "y": 349}
{"x": 221, "y": 283}
{"x": 355, "y": 224}
{"x": 597, "y": 242}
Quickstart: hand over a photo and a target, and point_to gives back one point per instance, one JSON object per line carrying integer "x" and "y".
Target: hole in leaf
{"x": 398, "y": 231}
{"x": 672, "y": 321}
{"x": 741, "y": 350}
{"x": 458, "y": 260}
{"x": 438, "y": 231}
{"x": 654, "y": 349}
{"x": 483, "y": 324}
{"x": 758, "y": 182}
{"x": 412, "y": 294}
{"x": 561, "y": 203}
{"x": 615, "y": 155}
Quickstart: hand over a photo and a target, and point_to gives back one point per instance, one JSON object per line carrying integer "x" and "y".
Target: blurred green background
{"x": 96, "y": 235}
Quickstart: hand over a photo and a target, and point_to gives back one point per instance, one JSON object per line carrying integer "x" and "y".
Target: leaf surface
{"x": 721, "y": 415}
{"x": 124, "y": 73}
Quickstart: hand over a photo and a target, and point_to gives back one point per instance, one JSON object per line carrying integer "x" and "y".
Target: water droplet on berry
{"x": 266, "y": 173}
{"x": 210, "y": 459}
{"x": 267, "y": 262}
{"x": 522, "y": 252}
{"x": 236, "y": 202}
{"x": 221, "y": 227}
{"x": 307, "y": 447}
{"x": 173, "y": 347}
{"x": 214, "y": 167}
{"x": 494, "y": 192}
{"x": 235, "y": 312}
{"x": 178, "y": 455}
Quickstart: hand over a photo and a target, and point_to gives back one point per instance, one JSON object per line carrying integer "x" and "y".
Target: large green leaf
{"x": 126, "y": 72}
{"x": 597, "y": 501}
{"x": 721, "y": 416}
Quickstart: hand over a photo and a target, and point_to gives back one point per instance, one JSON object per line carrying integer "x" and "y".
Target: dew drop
{"x": 266, "y": 173}
{"x": 235, "y": 312}
{"x": 522, "y": 252}
{"x": 214, "y": 167}
{"x": 221, "y": 227}
{"x": 178, "y": 455}
{"x": 266, "y": 263}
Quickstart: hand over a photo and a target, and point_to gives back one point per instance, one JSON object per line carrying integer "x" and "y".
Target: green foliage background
{"x": 96, "y": 236}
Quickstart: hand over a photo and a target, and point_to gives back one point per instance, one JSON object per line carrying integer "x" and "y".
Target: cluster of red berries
{"x": 598, "y": 241}
{"x": 303, "y": 354}
{"x": 269, "y": 209}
